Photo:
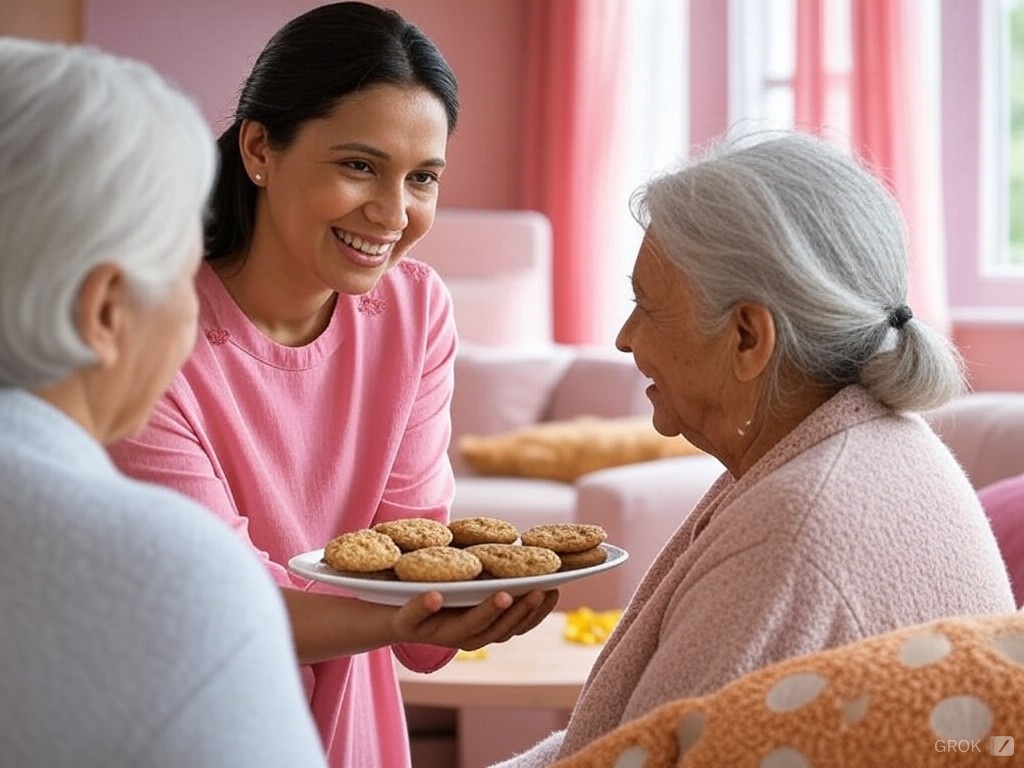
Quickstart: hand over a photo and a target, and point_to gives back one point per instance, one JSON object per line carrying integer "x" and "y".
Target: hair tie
{"x": 900, "y": 316}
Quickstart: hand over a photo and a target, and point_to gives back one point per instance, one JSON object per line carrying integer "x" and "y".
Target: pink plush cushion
{"x": 1004, "y": 504}
{"x": 600, "y": 382}
{"x": 497, "y": 390}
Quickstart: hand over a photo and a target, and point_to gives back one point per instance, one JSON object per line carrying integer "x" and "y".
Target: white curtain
{"x": 651, "y": 132}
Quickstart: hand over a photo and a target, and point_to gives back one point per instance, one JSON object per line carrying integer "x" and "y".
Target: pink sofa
{"x": 985, "y": 430}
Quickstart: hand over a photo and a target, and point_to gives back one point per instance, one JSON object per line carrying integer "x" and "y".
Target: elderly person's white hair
{"x": 101, "y": 161}
{"x": 793, "y": 223}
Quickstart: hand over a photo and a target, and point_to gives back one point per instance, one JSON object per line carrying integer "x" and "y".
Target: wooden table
{"x": 515, "y": 696}
{"x": 538, "y": 669}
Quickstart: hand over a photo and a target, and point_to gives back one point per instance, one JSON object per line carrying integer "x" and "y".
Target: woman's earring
{"x": 742, "y": 431}
{"x": 258, "y": 178}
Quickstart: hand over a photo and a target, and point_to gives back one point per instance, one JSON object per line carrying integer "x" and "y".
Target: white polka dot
{"x": 689, "y": 731}
{"x": 785, "y": 757}
{"x": 632, "y": 757}
{"x": 795, "y": 691}
{"x": 854, "y": 710}
{"x": 926, "y": 648}
{"x": 961, "y": 717}
{"x": 1010, "y": 645}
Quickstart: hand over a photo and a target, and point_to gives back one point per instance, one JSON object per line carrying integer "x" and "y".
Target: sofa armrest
{"x": 640, "y": 506}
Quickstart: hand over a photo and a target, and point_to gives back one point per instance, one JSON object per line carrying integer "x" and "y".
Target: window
{"x": 654, "y": 129}
{"x": 762, "y": 46}
{"x": 1015, "y": 100}
{"x": 1003, "y": 137}
{"x": 981, "y": 67}
{"x": 762, "y": 55}
{"x": 983, "y": 91}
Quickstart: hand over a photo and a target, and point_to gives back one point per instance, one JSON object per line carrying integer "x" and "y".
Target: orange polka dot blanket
{"x": 947, "y": 693}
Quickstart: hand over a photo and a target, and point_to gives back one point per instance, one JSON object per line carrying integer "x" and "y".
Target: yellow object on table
{"x": 590, "y": 627}
{"x": 479, "y": 653}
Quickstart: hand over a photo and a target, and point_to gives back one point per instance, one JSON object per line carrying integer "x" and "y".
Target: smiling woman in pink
{"x": 316, "y": 401}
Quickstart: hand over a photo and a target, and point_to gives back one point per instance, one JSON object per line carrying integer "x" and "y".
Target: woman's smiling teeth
{"x": 363, "y": 246}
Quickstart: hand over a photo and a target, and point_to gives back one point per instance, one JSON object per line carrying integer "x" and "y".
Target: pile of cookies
{"x": 418, "y": 549}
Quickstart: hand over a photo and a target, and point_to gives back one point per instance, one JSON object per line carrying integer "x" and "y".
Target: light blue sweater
{"x": 134, "y": 628}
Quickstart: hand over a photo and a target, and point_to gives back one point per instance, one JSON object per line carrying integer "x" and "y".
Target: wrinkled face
{"x": 687, "y": 367}
{"x": 159, "y": 338}
{"x": 356, "y": 189}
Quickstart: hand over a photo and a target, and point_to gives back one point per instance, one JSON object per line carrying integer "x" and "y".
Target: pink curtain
{"x": 894, "y": 126}
{"x": 810, "y": 81}
{"x": 573, "y": 81}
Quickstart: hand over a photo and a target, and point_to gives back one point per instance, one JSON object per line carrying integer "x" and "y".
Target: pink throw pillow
{"x": 497, "y": 390}
{"x": 1004, "y": 503}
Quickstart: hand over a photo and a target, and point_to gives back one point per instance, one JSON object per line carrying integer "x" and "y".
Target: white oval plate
{"x": 457, "y": 594}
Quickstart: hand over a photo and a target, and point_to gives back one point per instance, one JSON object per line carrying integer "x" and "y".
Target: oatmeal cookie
{"x": 361, "y": 551}
{"x": 415, "y": 533}
{"x": 467, "y": 531}
{"x": 565, "y": 537}
{"x": 388, "y": 574}
{"x": 438, "y": 564}
{"x": 511, "y": 561}
{"x": 588, "y": 557}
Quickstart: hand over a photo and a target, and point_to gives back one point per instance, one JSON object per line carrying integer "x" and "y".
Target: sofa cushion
{"x": 566, "y": 450}
{"x": 600, "y": 382}
{"x": 498, "y": 389}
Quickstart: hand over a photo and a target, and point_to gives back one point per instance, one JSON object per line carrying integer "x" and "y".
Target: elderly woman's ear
{"x": 101, "y": 312}
{"x": 754, "y": 336}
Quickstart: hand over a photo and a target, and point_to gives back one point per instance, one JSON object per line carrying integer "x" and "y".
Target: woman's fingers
{"x": 500, "y": 617}
{"x": 507, "y": 623}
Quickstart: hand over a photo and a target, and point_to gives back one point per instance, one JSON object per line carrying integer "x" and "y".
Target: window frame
{"x": 982, "y": 290}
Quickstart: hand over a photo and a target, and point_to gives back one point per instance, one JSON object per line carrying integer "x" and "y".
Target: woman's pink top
{"x": 292, "y": 446}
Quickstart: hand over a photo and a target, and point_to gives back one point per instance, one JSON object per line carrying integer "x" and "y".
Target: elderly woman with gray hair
{"x": 136, "y": 629}
{"x": 772, "y": 320}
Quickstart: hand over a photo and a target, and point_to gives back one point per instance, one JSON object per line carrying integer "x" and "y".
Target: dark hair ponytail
{"x": 311, "y": 63}
{"x": 232, "y": 214}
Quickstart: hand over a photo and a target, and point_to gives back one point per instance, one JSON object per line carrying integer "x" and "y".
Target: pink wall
{"x": 208, "y": 48}
{"x": 994, "y": 355}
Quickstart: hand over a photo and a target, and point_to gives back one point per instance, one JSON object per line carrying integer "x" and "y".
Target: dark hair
{"x": 309, "y": 64}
